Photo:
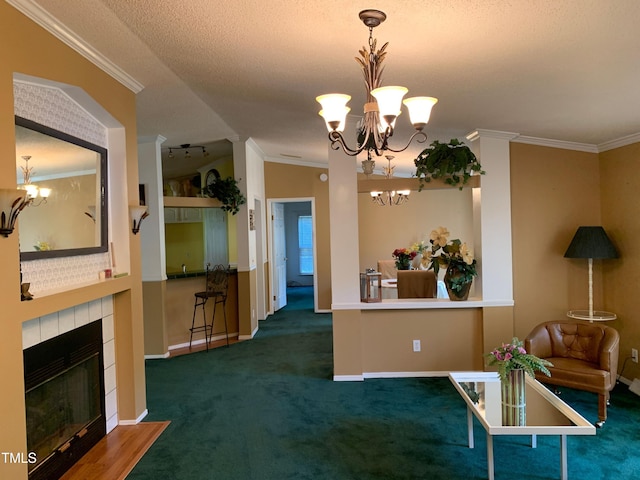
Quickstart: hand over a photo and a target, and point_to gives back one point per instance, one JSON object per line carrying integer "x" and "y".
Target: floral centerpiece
{"x": 511, "y": 356}
{"x": 458, "y": 260}
{"x": 513, "y": 362}
{"x": 403, "y": 257}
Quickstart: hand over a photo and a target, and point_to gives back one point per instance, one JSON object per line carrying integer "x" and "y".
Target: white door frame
{"x": 270, "y": 202}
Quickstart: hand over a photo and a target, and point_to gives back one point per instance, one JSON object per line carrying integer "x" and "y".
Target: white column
{"x": 343, "y": 212}
{"x": 492, "y": 215}
{"x": 152, "y": 230}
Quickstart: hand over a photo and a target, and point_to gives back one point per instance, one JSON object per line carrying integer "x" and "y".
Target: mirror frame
{"x": 104, "y": 233}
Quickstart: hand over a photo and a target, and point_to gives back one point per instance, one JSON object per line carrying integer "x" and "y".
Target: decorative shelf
{"x": 598, "y": 316}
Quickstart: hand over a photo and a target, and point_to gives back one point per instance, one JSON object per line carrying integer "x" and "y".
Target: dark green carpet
{"x": 268, "y": 409}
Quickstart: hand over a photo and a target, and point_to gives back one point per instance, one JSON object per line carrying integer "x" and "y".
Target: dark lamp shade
{"x": 591, "y": 242}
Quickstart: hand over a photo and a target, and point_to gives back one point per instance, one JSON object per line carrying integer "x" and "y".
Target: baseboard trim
{"x": 136, "y": 421}
{"x": 201, "y": 341}
{"x": 157, "y": 357}
{"x": 249, "y": 337}
{"x": 373, "y": 375}
{"x": 348, "y": 378}
{"x": 404, "y": 374}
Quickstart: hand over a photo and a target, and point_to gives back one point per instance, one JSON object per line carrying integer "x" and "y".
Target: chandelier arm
{"x": 422, "y": 138}
{"x": 337, "y": 141}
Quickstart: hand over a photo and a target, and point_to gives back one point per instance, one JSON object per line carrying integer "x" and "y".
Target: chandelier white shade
{"x": 383, "y": 105}
{"x": 420, "y": 109}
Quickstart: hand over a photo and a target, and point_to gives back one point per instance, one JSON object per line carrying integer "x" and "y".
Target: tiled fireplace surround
{"x": 52, "y": 325}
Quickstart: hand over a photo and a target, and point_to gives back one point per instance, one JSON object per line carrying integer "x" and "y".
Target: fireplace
{"x": 65, "y": 401}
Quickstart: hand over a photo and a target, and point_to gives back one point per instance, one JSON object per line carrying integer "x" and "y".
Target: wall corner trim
{"x": 51, "y": 24}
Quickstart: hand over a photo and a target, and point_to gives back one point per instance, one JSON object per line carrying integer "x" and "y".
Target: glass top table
{"x": 546, "y": 414}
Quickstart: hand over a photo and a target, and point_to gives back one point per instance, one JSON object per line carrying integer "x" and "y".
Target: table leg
{"x": 534, "y": 441}
{"x": 470, "y": 427}
{"x": 564, "y": 475}
{"x": 490, "y": 456}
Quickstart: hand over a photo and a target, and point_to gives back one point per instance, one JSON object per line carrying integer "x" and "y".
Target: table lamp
{"x": 590, "y": 243}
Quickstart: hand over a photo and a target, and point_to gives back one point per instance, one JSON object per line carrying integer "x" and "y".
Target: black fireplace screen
{"x": 62, "y": 407}
{"x": 64, "y": 384}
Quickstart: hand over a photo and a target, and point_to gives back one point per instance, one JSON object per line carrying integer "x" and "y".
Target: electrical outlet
{"x": 416, "y": 345}
{"x": 634, "y": 355}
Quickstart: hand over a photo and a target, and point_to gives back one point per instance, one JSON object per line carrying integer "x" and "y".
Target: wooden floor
{"x": 201, "y": 346}
{"x": 113, "y": 457}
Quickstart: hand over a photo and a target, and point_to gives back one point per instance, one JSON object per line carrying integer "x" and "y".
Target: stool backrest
{"x": 217, "y": 280}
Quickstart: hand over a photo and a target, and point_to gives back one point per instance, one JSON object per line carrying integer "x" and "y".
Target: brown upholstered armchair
{"x": 584, "y": 357}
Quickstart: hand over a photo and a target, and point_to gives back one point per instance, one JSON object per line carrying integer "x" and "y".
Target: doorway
{"x": 292, "y": 249}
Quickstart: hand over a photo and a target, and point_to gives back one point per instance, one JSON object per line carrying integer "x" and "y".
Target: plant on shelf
{"x": 453, "y": 161}
{"x": 512, "y": 356}
{"x": 458, "y": 260}
{"x": 403, "y": 258}
{"x": 226, "y": 190}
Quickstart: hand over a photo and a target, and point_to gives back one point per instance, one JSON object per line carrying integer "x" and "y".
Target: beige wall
{"x": 553, "y": 192}
{"x": 178, "y": 310}
{"x": 45, "y": 57}
{"x": 621, "y": 218}
{"x": 292, "y": 181}
{"x": 382, "y": 229}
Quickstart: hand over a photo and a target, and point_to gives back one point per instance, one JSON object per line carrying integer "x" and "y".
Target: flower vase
{"x": 450, "y": 277}
{"x": 402, "y": 264}
{"x": 513, "y": 398}
{"x": 416, "y": 263}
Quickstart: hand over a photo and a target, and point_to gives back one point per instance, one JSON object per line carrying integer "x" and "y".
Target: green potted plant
{"x": 226, "y": 190}
{"x": 453, "y": 161}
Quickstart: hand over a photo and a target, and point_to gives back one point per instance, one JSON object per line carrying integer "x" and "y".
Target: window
{"x": 305, "y": 244}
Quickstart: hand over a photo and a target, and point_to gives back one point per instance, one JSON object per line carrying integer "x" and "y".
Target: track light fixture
{"x": 186, "y": 147}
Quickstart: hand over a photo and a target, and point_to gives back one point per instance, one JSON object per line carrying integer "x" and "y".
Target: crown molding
{"x": 620, "y": 142}
{"x": 546, "y": 142}
{"x": 298, "y": 162}
{"x": 476, "y": 134}
{"x": 51, "y": 24}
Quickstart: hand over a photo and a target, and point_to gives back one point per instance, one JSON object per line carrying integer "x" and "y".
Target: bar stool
{"x": 216, "y": 288}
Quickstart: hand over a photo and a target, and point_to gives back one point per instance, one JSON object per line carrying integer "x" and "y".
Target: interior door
{"x": 279, "y": 257}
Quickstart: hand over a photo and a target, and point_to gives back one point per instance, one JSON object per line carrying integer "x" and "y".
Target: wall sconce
{"x": 137, "y": 215}
{"x": 11, "y": 204}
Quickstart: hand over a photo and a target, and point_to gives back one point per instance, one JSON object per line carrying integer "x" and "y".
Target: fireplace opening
{"x": 64, "y": 394}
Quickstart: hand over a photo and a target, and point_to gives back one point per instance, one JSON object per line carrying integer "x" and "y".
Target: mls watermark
{"x": 19, "y": 457}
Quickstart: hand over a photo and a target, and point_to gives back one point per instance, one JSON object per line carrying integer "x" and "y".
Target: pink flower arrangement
{"x": 403, "y": 257}
{"x": 511, "y": 356}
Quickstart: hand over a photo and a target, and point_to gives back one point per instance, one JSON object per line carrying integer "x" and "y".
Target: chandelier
{"x": 33, "y": 191}
{"x": 389, "y": 197}
{"x": 383, "y": 103}
{"x": 186, "y": 147}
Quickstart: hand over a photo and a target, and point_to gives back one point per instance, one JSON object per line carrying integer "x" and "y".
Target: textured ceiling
{"x": 563, "y": 70}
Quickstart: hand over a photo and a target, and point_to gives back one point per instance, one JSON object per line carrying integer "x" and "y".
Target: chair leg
{"x": 603, "y": 400}
{"x": 204, "y": 325}
{"x": 193, "y": 322}
{"x": 224, "y": 310}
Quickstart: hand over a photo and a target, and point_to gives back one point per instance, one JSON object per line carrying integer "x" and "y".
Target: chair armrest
{"x": 609, "y": 351}
{"x": 538, "y": 342}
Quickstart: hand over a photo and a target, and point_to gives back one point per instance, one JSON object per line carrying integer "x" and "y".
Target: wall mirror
{"x": 68, "y": 213}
